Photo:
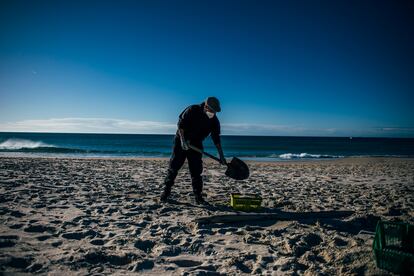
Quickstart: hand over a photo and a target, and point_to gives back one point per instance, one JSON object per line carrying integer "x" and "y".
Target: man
{"x": 195, "y": 123}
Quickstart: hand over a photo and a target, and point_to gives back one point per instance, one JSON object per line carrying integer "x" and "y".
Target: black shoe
{"x": 200, "y": 200}
{"x": 165, "y": 195}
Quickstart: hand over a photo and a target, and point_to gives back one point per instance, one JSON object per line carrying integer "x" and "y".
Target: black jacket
{"x": 197, "y": 126}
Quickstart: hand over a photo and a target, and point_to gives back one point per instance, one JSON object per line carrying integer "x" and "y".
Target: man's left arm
{"x": 220, "y": 151}
{"x": 215, "y": 136}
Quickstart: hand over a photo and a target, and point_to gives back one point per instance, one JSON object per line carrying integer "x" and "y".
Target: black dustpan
{"x": 236, "y": 169}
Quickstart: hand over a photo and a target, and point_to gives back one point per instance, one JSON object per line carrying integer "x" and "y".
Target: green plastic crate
{"x": 394, "y": 247}
{"x": 245, "y": 202}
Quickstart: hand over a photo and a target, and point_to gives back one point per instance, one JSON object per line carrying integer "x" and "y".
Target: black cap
{"x": 213, "y": 103}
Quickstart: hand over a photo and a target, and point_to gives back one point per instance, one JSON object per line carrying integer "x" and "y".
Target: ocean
{"x": 267, "y": 148}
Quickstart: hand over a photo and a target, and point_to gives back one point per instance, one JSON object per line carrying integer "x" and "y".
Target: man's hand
{"x": 220, "y": 151}
{"x": 184, "y": 144}
{"x": 223, "y": 160}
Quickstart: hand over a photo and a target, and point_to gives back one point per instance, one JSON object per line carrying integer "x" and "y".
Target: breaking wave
{"x": 39, "y": 147}
{"x": 19, "y": 144}
{"x": 305, "y": 155}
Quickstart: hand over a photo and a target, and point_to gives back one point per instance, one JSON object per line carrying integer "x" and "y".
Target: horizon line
{"x": 246, "y": 135}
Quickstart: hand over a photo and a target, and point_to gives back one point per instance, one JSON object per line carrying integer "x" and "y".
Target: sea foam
{"x": 16, "y": 144}
{"x": 305, "y": 155}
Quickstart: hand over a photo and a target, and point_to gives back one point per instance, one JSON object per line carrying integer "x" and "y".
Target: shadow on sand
{"x": 267, "y": 217}
{"x": 330, "y": 219}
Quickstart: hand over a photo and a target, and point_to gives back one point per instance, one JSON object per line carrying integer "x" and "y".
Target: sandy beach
{"x": 102, "y": 216}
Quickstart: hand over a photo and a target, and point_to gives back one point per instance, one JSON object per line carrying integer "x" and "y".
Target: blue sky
{"x": 329, "y": 68}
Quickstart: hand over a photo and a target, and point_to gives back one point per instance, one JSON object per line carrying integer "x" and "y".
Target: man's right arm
{"x": 184, "y": 118}
{"x": 184, "y": 143}
{"x": 181, "y": 133}
{"x": 183, "y": 123}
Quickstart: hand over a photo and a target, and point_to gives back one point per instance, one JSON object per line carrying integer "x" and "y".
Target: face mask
{"x": 210, "y": 114}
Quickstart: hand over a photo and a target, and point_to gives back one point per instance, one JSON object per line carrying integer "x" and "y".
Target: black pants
{"x": 195, "y": 165}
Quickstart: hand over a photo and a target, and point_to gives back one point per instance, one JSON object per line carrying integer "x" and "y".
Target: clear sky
{"x": 329, "y": 68}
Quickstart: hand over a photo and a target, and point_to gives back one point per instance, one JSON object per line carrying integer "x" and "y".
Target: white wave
{"x": 305, "y": 155}
{"x": 16, "y": 144}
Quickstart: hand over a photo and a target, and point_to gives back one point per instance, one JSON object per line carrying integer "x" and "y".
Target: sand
{"x": 102, "y": 216}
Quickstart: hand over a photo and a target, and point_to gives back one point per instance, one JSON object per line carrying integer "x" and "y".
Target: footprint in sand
{"x": 312, "y": 239}
{"x": 143, "y": 265}
{"x": 340, "y": 242}
{"x": 43, "y": 237}
{"x": 80, "y": 235}
{"x": 242, "y": 267}
{"x": 57, "y": 243}
{"x": 16, "y": 226}
{"x": 8, "y": 240}
{"x": 167, "y": 251}
{"x": 101, "y": 257}
{"x": 186, "y": 262}
{"x": 17, "y": 214}
{"x": 144, "y": 245}
{"x": 38, "y": 228}
{"x": 97, "y": 242}
{"x": 18, "y": 262}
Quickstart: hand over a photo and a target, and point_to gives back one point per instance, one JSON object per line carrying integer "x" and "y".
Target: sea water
{"x": 246, "y": 147}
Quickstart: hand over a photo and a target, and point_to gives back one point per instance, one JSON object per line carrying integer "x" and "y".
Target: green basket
{"x": 245, "y": 202}
{"x": 394, "y": 247}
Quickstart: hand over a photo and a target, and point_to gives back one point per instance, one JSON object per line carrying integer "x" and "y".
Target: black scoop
{"x": 236, "y": 169}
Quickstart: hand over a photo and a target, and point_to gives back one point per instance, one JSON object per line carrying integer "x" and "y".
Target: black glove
{"x": 222, "y": 159}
